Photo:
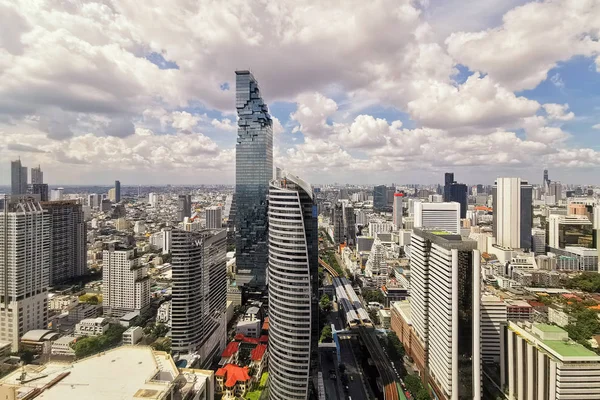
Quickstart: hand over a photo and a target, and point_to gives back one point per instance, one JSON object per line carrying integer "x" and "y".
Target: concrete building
{"x": 513, "y": 213}
{"x": 199, "y": 298}
{"x": 397, "y": 211}
{"x": 570, "y": 230}
{"x": 133, "y": 335}
{"x": 153, "y": 199}
{"x": 446, "y": 309}
{"x": 214, "y": 219}
{"x": 68, "y": 252}
{"x": 164, "y": 313}
{"x": 126, "y": 372}
{"x": 541, "y": 362}
{"x": 91, "y": 327}
{"x": 139, "y": 227}
{"x": 493, "y": 319}
{"x": 538, "y": 241}
{"x": 112, "y": 196}
{"x": 56, "y": 194}
{"x": 126, "y": 283}
{"x": 25, "y": 235}
{"x": 442, "y": 216}
{"x": 18, "y": 178}
{"x": 94, "y": 200}
{"x": 117, "y": 192}
{"x": 293, "y": 263}
{"x": 63, "y": 346}
{"x": 575, "y": 259}
{"x": 184, "y": 207}
{"x": 37, "y": 175}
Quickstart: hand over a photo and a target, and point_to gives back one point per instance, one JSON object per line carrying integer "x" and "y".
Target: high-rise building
{"x": 570, "y": 230}
{"x": 68, "y": 252}
{"x": 253, "y": 172}
{"x": 546, "y": 181}
{"x": 18, "y": 178}
{"x": 457, "y": 192}
{"x": 40, "y": 189}
{"x": 344, "y": 224}
{"x": 380, "y": 197}
{"x": 153, "y": 199}
{"x": 213, "y": 218}
{"x": 293, "y": 263}
{"x": 493, "y": 319}
{"x": 397, "y": 212}
{"x": 513, "y": 213}
{"x": 24, "y": 267}
{"x": 199, "y": 299}
{"x": 125, "y": 281}
{"x": 184, "y": 206}
{"x": 94, "y": 200}
{"x": 445, "y": 311}
{"x": 555, "y": 189}
{"x": 57, "y": 194}
{"x": 117, "y": 191}
{"x": 444, "y": 216}
{"x": 37, "y": 175}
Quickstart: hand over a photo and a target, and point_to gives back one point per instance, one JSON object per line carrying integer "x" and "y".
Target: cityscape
{"x": 391, "y": 201}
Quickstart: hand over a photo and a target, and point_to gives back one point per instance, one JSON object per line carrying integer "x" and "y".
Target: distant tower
{"x": 37, "y": 175}
{"x": 184, "y": 206}
{"x": 117, "y": 191}
{"x": 18, "y": 176}
{"x": 213, "y": 218}
{"x": 397, "y": 212}
{"x": 513, "y": 212}
{"x": 254, "y": 171}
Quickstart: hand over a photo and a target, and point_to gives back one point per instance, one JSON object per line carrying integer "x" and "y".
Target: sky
{"x": 380, "y": 91}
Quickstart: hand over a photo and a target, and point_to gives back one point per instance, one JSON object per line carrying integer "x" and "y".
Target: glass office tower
{"x": 254, "y": 171}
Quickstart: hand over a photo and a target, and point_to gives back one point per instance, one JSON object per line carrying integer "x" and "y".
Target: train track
{"x": 328, "y": 268}
{"x": 388, "y": 377}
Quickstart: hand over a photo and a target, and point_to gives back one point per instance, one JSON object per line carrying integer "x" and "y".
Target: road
{"x": 386, "y": 371}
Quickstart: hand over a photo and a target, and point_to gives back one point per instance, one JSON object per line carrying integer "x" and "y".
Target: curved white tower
{"x": 293, "y": 258}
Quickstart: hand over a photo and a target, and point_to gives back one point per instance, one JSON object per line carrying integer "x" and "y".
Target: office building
{"x": 344, "y": 224}
{"x": 538, "y": 241}
{"x": 546, "y": 181}
{"x": 57, "y": 194}
{"x": 380, "y": 197}
{"x": 18, "y": 178}
{"x": 94, "y": 200}
{"x": 513, "y": 213}
{"x": 126, "y": 283}
{"x": 184, "y": 206}
{"x": 493, "y": 319}
{"x": 541, "y": 362}
{"x": 293, "y": 263}
{"x": 574, "y": 258}
{"x": 117, "y": 191}
{"x": 253, "y": 172}
{"x": 570, "y": 230}
{"x": 68, "y": 252}
{"x": 37, "y": 175}
{"x": 443, "y": 216}
{"x": 25, "y": 234}
{"x": 397, "y": 211}
{"x": 555, "y": 189}
{"x": 112, "y": 196}
{"x": 213, "y": 218}
{"x": 199, "y": 299}
{"x": 445, "y": 311}
{"x": 40, "y": 189}
{"x": 455, "y": 192}
{"x": 153, "y": 199}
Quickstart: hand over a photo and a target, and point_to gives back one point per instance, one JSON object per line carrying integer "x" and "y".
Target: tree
{"x": 373, "y": 295}
{"x": 93, "y": 300}
{"x": 325, "y": 303}
{"x": 394, "y": 347}
{"x": 326, "y": 334}
{"x": 162, "y": 344}
{"x": 27, "y": 356}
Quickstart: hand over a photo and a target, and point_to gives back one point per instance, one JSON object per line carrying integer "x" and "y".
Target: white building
{"x": 442, "y": 216}
{"x": 557, "y": 224}
{"x": 376, "y": 267}
{"x": 133, "y": 335}
{"x": 91, "y": 327}
{"x": 513, "y": 217}
{"x": 139, "y": 227}
{"x": 56, "y": 194}
{"x": 543, "y": 363}
{"x": 167, "y": 237}
{"x": 249, "y": 328}
{"x": 378, "y": 226}
{"x": 292, "y": 255}
{"x": 164, "y": 313}
{"x": 62, "y": 346}
{"x": 445, "y": 291}
{"x": 397, "y": 211}
{"x": 156, "y": 240}
{"x": 213, "y": 218}
{"x": 25, "y": 233}
{"x": 62, "y": 302}
{"x": 126, "y": 284}
{"x": 153, "y": 199}
{"x": 493, "y": 319}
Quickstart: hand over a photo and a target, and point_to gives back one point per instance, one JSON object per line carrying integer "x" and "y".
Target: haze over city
{"x": 410, "y": 88}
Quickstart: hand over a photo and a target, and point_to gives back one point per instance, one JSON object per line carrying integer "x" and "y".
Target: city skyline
{"x": 420, "y": 93}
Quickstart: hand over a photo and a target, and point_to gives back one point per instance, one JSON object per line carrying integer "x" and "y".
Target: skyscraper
{"x": 199, "y": 292}
{"x": 293, "y": 263}
{"x": 40, "y": 189}
{"x": 37, "y": 175}
{"x": 513, "y": 212}
{"x": 68, "y": 253}
{"x": 457, "y": 192}
{"x": 24, "y": 267}
{"x": 117, "y": 191}
{"x": 445, "y": 311}
{"x": 18, "y": 175}
{"x": 379, "y": 197}
{"x": 125, "y": 281}
{"x": 397, "y": 212}
{"x": 184, "y": 206}
{"x": 213, "y": 218}
{"x": 546, "y": 181}
{"x": 253, "y": 172}
{"x": 445, "y": 216}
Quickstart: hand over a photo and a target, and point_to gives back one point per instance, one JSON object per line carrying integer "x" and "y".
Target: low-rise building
{"x": 248, "y": 328}
{"x": 63, "y": 346}
{"x": 91, "y": 327}
{"x": 230, "y": 354}
{"x": 385, "y": 318}
{"x": 38, "y": 341}
{"x": 401, "y": 324}
{"x": 133, "y": 335}
{"x": 232, "y": 381}
{"x": 518, "y": 310}
{"x": 62, "y": 302}
{"x": 164, "y": 313}
{"x": 541, "y": 362}
{"x": 556, "y": 315}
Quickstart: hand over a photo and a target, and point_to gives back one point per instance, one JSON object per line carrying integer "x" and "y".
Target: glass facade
{"x": 254, "y": 171}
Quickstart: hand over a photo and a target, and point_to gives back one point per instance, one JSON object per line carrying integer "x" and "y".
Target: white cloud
{"x": 313, "y": 111}
{"x": 558, "y": 112}
{"x": 597, "y": 126}
{"x": 225, "y": 124}
{"x": 185, "y": 121}
{"x": 531, "y": 41}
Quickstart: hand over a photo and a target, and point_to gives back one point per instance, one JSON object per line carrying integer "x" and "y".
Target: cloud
{"x": 558, "y": 112}
{"x": 534, "y": 37}
{"x": 120, "y": 127}
{"x": 313, "y": 110}
{"x": 225, "y": 124}
{"x": 24, "y": 148}
{"x": 185, "y": 121}
{"x": 597, "y": 126}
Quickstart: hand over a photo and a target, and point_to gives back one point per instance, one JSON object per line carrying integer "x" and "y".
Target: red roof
{"x": 241, "y": 338}
{"x": 258, "y": 352}
{"x": 265, "y": 326}
{"x": 263, "y": 339}
{"x": 398, "y": 194}
{"x": 571, "y": 296}
{"x": 234, "y": 374}
{"x": 534, "y": 303}
{"x": 231, "y": 349}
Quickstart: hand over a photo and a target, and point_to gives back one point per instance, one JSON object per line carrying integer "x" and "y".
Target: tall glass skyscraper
{"x": 254, "y": 171}
{"x": 293, "y": 286}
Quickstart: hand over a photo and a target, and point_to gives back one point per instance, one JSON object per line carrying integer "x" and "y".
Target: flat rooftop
{"x": 569, "y": 349}
{"x": 549, "y": 328}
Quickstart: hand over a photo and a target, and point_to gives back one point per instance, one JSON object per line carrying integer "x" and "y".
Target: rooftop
{"x": 569, "y": 349}
{"x": 549, "y": 328}
{"x": 233, "y": 374}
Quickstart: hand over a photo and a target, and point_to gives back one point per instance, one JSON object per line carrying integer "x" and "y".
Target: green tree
{"x": 93, "y": 300}
{"x": 325, "y": 303}
{"x": 326, "y": 334}
{"x": 162, "y": 344}
{"x": 394, "y": 347}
